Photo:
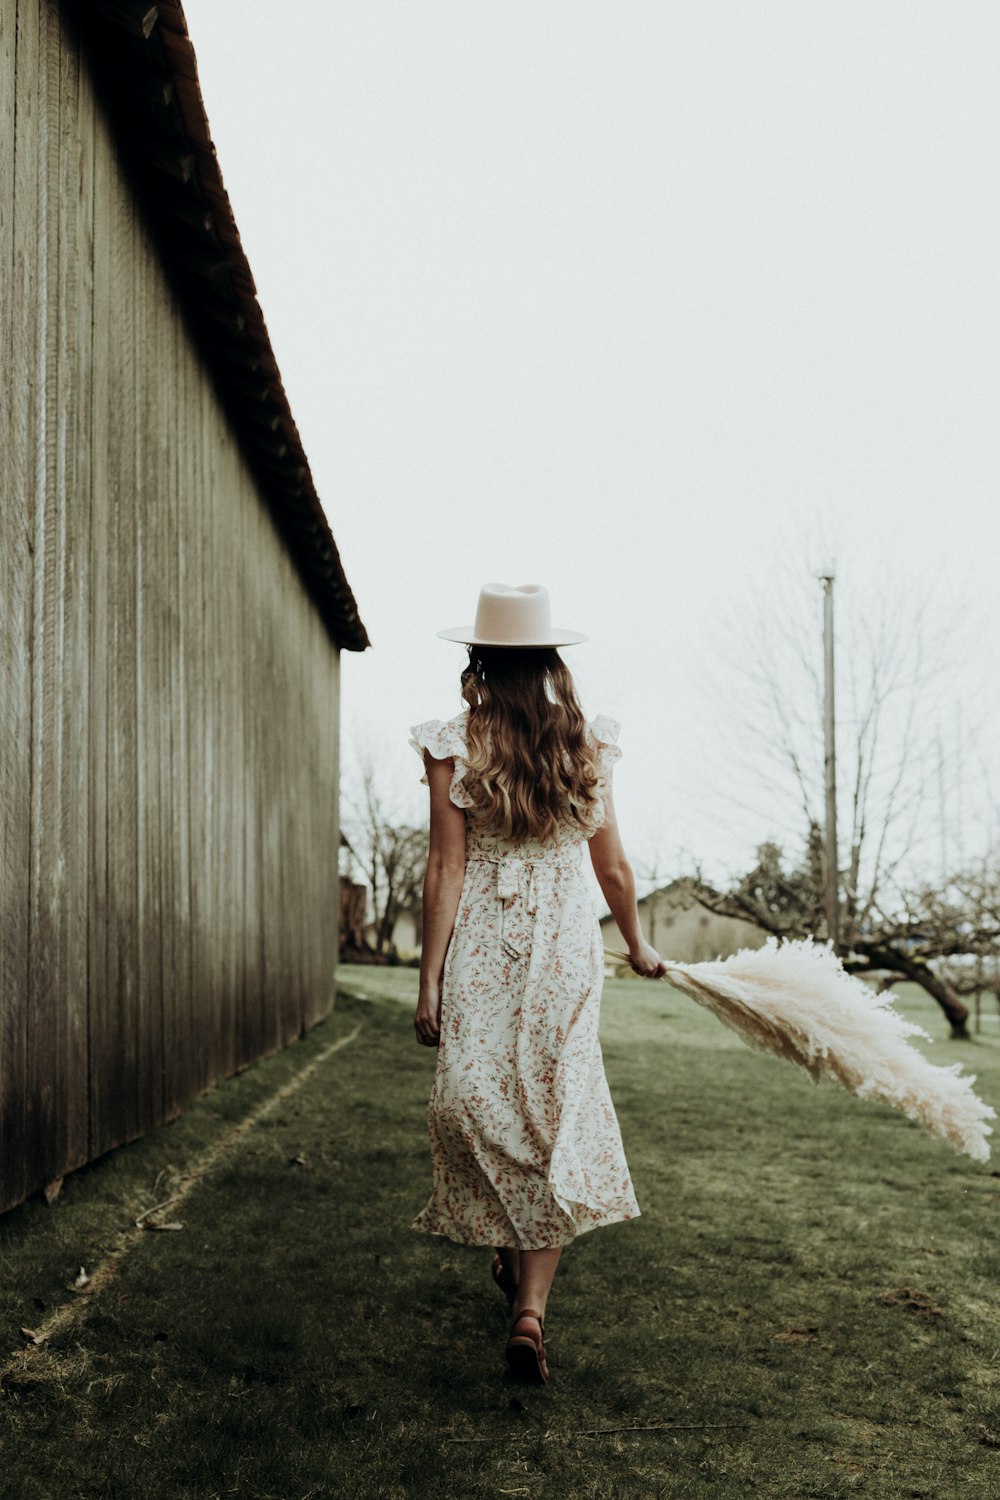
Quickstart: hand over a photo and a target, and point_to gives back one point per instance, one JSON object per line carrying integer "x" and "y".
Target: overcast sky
{"x": 661, "y": 305}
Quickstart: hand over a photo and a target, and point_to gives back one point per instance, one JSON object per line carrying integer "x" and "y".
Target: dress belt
{"x": 509, "y": 870}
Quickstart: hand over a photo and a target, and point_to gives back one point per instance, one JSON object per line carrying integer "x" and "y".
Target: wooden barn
{"x": 174, "y": 607}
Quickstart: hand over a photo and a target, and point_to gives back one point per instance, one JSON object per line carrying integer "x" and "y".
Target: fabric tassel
{"x": 799, "y": 1002}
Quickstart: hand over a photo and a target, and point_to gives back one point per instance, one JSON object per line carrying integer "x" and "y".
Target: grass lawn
{"x": 807, "y": 1307}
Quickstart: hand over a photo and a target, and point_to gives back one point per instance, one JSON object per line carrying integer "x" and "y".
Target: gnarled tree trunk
{"x": 906, "y": 967}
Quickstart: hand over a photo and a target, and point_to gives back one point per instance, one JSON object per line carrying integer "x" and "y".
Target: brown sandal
{"x": 526, "y": 1353}
{"x": 504, "y": 1278}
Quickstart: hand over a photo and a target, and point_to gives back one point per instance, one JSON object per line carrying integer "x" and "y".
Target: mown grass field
{"x": 807, "y": 1307}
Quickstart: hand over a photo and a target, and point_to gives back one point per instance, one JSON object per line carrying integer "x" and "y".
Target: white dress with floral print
{"x": 524, "y": 1138}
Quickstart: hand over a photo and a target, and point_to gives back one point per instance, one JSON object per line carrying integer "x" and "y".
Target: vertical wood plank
{"x": 46, "y": 1080}
{"x": 171, "y": 813}
{"x": 268, "y": 793}
{"x": 276, "y": 899}
{"x": 71, "y": 182}
{"x": 169, "y": 819}
{"x": 193, "y": 508}
{"x": 85, "y": 470}
{"x": 234, "y": 975}
{"x": 300, "y": 873}
{"x": 184, "y": 494}
{"x": 264, "y": 852}
{"x": 332, "y": 738}
{"x": 242, "y": 812}
{"x": 100, "y": 972}
{"x": 18, "y": 110}
{"x": 152, "y": 611}
{"x": 217, "y": 479}
{"x": 252, "y": 977}
{"x": 122, "y": 791}
{"x": 230, "y": 884}
{"x": 174, "y": 1035}
{"x": 114, "y": 1040}
{"x": 324, "y": 855}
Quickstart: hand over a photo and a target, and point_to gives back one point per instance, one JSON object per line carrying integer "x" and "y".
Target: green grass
{"x": 296, "y": 1339}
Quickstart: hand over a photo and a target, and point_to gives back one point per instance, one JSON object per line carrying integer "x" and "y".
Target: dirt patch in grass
{"x": 296, "y": 1339}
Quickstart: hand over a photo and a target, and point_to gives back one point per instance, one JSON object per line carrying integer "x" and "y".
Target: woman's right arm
{"x": 614, "y": 876}
{"x": 442, "y": 888}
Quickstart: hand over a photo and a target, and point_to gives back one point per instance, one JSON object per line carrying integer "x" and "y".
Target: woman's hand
{"x": 646, "y": 961}
{"x": 427, "y": 1021}
{"x": 614, "y": 876}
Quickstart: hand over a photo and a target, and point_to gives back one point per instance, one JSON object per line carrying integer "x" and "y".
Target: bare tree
{"x": 947, "y": 941}
{"x": 960, "y": 923}
{"x": 393, "y": 853}
{"x": 893, "y": 781}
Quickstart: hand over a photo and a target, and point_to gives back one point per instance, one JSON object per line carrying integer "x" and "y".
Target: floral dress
{"x": 525, "y": 1142}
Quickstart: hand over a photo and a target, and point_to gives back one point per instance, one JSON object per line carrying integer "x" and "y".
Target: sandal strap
{"x": 528, "y": 1312}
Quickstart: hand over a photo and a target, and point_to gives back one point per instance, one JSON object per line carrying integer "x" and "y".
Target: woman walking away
{"x": 525, "y": 1143}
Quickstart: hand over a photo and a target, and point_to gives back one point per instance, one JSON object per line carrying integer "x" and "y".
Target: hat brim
{"x": 466, "y": 635}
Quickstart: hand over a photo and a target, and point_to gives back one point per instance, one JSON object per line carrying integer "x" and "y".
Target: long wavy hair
{"x": 531, "y": 765}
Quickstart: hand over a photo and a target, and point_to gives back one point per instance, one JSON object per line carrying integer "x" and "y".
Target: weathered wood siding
{"x": 168, "y": 693}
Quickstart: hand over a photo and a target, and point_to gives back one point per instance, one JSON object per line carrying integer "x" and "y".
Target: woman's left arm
{"x": 442, "y": 888}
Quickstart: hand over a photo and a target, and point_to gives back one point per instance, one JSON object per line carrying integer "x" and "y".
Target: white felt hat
{"x": 509, "y": 616}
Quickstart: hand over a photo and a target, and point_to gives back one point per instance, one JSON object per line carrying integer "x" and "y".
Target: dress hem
{"x": 499, "y": 1243}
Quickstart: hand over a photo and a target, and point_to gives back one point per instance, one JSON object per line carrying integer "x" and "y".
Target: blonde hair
{"x": 531, "y": 764}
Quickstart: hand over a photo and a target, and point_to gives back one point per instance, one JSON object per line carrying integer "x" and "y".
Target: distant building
{"x": 681, "y": 929}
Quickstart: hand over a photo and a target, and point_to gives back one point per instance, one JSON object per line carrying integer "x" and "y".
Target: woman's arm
{"x": 442, "y": 889}
{"x": 614, "y": 876}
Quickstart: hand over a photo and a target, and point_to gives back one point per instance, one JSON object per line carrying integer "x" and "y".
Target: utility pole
{"x": 942, "y": 813}
{"x": 959, "y": 821}
{"x": 831, "y": 892}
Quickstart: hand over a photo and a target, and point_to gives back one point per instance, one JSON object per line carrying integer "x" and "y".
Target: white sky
{"x": 659, "y": 304}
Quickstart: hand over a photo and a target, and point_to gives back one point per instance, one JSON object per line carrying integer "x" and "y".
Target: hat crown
{"x": 518, "y": 614}
{"x": 512, "y": 615}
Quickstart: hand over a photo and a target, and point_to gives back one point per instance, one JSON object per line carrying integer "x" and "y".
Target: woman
{"x": 525, "y": 1142}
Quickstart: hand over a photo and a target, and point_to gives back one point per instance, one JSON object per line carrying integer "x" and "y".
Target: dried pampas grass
{"x": 798, "y": 1001}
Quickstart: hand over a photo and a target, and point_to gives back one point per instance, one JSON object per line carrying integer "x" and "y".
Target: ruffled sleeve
{"x": 445, "y": 741}
{"x": 604, "y": 732}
